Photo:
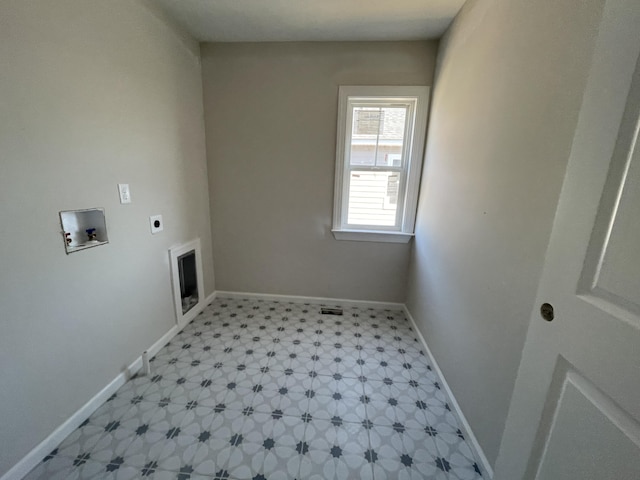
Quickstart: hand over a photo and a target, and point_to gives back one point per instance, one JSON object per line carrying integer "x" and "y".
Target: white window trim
{"x": 351, "y": 94}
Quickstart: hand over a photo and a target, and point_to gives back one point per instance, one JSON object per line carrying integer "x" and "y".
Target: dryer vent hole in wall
{"x": 331, "y": 311}
{"x": 188, "y": 280}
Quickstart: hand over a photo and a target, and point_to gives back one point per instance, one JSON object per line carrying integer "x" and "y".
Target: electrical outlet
{"x": 125, "y": 193}
{"x": 156, "y": 223}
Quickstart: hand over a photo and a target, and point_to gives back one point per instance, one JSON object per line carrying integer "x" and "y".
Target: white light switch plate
{"x": 156, "y": 223}
{"x": 125, "y": 193}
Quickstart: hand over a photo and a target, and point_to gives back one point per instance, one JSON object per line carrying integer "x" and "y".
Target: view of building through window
{"x": 377, "y": 142}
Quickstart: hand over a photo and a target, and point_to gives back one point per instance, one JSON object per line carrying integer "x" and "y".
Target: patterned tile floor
{"x": 260, "y": 390}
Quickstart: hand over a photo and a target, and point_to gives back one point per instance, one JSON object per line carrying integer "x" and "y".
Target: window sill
{"x": 372, "y": 236}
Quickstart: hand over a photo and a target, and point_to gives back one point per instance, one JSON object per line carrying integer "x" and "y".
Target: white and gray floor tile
{"x": 261, "y": 390}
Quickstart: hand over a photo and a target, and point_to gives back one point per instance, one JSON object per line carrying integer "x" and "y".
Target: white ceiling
{"x": 312, "y": 20}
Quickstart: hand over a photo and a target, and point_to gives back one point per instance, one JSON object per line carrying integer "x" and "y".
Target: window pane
{"x": 363, "y": 153}
{"x": 373, "y": 198}
{"x": 367, "y": 122}
{"x": 391, "y": 138}
{"x": 377, "y": 136}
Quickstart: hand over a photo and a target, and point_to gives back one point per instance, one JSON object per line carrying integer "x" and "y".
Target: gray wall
{"x": 92, "y": 94}
{"x": 270, "y": 114}
{"x": 505, "y": 104}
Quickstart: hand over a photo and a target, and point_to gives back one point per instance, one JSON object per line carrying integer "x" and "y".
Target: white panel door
{"x": 575, "y": 411}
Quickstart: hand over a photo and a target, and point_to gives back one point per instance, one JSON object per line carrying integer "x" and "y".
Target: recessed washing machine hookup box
{"x": 82, "y": 229}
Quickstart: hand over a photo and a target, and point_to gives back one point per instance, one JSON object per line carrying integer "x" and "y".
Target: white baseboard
{"x": 466, "y": 428}
{"x": 311, "y": 300}
{"x": 35, "y": 456}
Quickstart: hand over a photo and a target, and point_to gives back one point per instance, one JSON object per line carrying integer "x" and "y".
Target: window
{"x": 380, "y": 142}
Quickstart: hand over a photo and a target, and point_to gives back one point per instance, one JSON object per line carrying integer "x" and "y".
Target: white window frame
{"x": 417, "y": 97}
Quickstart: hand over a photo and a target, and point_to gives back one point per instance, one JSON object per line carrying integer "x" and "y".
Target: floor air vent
{"x": 331, "y": 311}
